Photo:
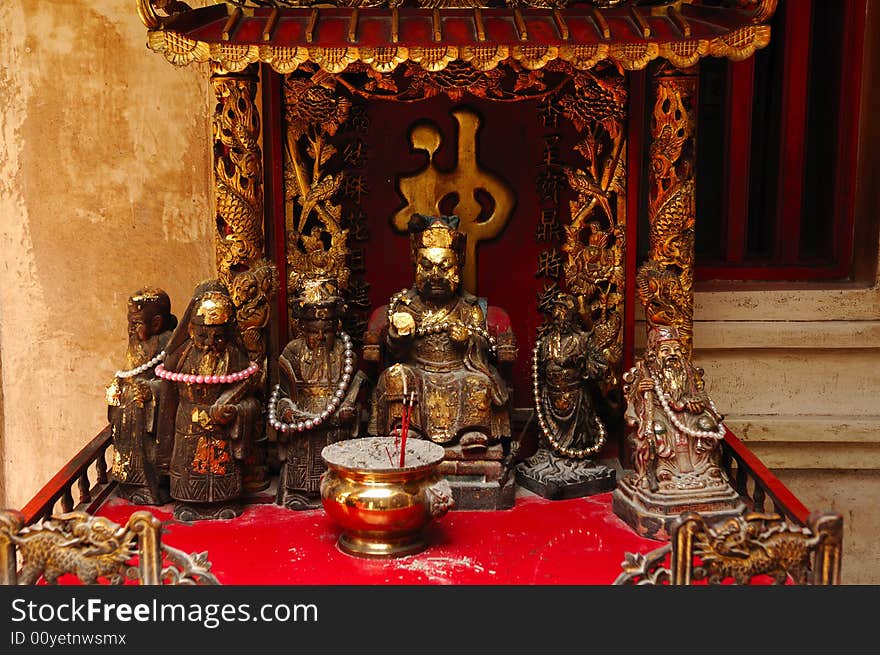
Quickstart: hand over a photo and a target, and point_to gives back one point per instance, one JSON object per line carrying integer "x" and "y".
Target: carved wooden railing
{"x": 75, "y": 477}
{"x": 762, "y": 490}
{"x": 86, "y": 475}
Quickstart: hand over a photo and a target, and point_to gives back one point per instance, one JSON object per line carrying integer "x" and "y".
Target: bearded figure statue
{"x": 676, "y": 441}
{"x": 139, "y": 459}
{"x": 438, "y": 338}
{"x": 318, "y": 399}
{"x": 209, "y": 408}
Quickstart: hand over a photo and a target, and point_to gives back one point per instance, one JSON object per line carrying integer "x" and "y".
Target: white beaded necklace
{"x": 445, "y": 326}
{"x": 697, "y": 434}
{"x": 332, "y": 405}
{"x": 142, "y": 368}
{"x": 542, "y": 422}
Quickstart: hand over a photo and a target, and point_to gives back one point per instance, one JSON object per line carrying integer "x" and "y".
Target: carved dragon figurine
{"x": 86, "y": 546}
{"x": 747, "y": 546}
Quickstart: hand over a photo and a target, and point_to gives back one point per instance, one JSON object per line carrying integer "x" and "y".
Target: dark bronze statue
{"x": 210, "y": 408}
{"x": 676, "y": 441}
{"x": 139, "y": 461}
{"x": 318, "y": 400}
{"x": 566, "y": 371}
{"x": 437, "y": 334}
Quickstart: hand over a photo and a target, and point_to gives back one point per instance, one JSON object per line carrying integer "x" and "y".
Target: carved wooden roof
{"x": 628, "y": 33}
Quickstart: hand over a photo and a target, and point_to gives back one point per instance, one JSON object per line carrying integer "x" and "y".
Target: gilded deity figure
{"x": 568, "y": 368}
{"x": 679, "y": 430}
{"x": 210, "y": 407}
{"x": 438, "y": 340}
{"x": 139, "y": 460}
{"x": 318, "y": 399}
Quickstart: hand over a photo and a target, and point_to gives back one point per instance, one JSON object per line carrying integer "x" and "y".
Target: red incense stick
{"x": 404, "y": 426}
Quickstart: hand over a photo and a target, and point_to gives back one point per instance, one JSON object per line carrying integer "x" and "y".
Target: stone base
{"x": 189, "y": 512}
{"x": 652, "y": 514}
{"x": 475, "y": 478}
{"x": 556, "y": 477}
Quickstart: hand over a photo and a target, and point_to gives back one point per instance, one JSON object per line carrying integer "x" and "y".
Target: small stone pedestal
{"x": 652, "y": 513}
{"x": 475, "y": 478}
{"x": 556, "y": 477}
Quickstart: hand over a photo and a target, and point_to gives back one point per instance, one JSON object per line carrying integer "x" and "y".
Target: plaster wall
{"x": 105, "y": 174}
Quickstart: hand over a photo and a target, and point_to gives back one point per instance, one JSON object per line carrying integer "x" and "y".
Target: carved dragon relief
{"x": 238, "y": 176}
{"x": 671, "y": 208}
{"x": 741, "y": 548}
{"x": 94, "y": 548}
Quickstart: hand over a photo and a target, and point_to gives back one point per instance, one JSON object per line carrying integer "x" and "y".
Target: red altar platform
{"x": 538, "y": 541}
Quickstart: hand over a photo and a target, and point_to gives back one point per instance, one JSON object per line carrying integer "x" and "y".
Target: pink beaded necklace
{"x": 190, "y": 378}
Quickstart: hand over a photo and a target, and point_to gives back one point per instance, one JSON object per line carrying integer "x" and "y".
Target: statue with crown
{"x": 443, "y": 360}
{"x": 676, "y": 435}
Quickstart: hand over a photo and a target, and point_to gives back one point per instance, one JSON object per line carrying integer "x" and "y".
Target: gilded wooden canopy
{"x": 383, "y": 35}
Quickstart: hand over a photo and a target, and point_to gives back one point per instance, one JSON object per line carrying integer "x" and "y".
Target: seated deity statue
{"x": 210, "y": 407}
{"x": 441, "y": 350}
{"x": 318, "y": 400}
{"x": 679, "y": 430}
{"x": 133, "y": 401}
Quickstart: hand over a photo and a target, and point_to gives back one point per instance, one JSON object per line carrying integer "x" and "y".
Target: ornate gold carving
{"x": 684, "y": 54}
{"x": 594, "y": 262}
{"x": 384, "y": 60}
{"x": 316, "y": 242}
{"x": 672, "y": 202}
{"x": 533, "y": 57}
{"x": 238, "y": 174}
{"x": 484, "y": 58}
{"x": 234, "y": 58}
{"x": 433, "y": 59}
{"x": 251, "y": 292}
{"x": 283, "y": 60}
{"x": 334, "y": 60}
{"x": 425, "y": 189}
{"x": 740, "y": 44}
{"x": 633, "y": 56}
{"x": 147, "y": 10}
{"x": 94, "y": 548}
{"x": 741, "y": 548}
{"x": 178, "y": 49}
{"x": 583, "y": 57}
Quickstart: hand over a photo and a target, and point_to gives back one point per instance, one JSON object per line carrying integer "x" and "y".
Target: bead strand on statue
{"x": 143, "y": 368}
{"x": 444, "y": 327}
{"x": 332, "y": 405}
{"x": 542, "y": 422}
{"x": 704, "y": 434}
{"x": 191, "y": 378}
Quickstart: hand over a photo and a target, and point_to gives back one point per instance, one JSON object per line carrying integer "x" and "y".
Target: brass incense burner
{"x": 382, "y": 507}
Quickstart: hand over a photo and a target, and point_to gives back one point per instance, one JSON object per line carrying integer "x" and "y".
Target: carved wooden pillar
{"x": 238, "y": 171}
{"x": 251, "y": 280}
{"x": 672, "y": 199}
